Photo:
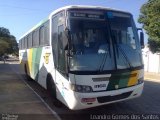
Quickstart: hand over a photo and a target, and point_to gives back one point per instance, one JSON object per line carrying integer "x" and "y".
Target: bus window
{"x": 61, "y": 52}
{"x": 35, "y": 38}
{"x": 25, "y": 42}
{"x": 55, "y": 39}
{"x": 41, "y": 35}
{"x": 46, "y": 33}
{"x": 29, "y": 40}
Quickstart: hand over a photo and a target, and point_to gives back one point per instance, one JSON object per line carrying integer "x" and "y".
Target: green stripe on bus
{"x": 114, "y": 80}
{"x": 124, "y": 80}
{"x": 38, "y": 58}
{"x": 119, "y": 80}
{"x": 36, "y": 61}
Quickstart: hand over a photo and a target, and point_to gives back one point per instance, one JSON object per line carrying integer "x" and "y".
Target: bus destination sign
{"x": 86, "y": 15}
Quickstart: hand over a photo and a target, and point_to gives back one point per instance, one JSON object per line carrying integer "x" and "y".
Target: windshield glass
{"x": 103, "y": 43}
{"x": 124, "y": 34}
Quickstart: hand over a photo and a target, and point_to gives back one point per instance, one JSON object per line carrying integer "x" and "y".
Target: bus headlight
{"x": 140, "y": 80}
{"x": 81, "y": 88}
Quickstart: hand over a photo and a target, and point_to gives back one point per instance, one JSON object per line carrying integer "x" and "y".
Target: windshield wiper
{"x": 125, "y": 56}
{"x": 117, "y": 47}
{"x": 105, "y": 57}
{"x": 103, "y": 62}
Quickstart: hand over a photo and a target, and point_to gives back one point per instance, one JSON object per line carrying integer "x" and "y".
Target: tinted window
{"x": 124, "y": 34}
{"x": 46, "y": 33}
{"x": 61, "y": 52}
{"x": 22, "y": 44}
{"x": 35, "y": 36}
{"x": 41, "y": 35}
{"x": 25, "y": 42}
{"x": 29, "y": 40}
{"x": 55, "y": 38}
{"x": 57, "y": 42}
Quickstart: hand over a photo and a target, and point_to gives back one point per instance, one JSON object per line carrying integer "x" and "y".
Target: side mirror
{"x": 141, "y": 37}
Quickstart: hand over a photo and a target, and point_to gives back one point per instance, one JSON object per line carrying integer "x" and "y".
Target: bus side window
{"x": 27, "y": 38}
{"x": 25, "y": 42}
{"x": 46, "y": 33}
{"x": 61, "y": 52}
{"x": 41, "y": 36}
{"x": 30, "y": 40}
{"x": 55, "y": 39}
{"x": 22, "y": 44}
{"x": 35, "y": 36}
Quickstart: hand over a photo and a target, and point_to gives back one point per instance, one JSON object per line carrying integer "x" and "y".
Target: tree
{"x": 150, "y": 18}
{"x": 13, "y": 46}
{"x": 4, "y": 32}
{"x": 3, "y": 47}
{"x": 8, "y": 43}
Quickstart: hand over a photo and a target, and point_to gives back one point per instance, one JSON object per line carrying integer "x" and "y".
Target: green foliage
{"x": 3, "y": 47}
{"x": 150, "y": 18}
{"x": 154, "y": 45}
{"x": 4, "y": 32}
{"x": 8, "y": 43}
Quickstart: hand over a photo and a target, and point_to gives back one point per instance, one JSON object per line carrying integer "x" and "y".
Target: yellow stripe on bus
{"x": 30, "y": 61}
{"x": 133, "y": 78}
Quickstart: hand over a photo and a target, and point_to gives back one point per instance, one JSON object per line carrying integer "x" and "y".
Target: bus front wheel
{"x": 51, "y": 88}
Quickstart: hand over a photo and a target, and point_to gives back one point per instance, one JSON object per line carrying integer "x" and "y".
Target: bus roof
{"x": 84, "y": 7}
{"x": 71, "y": 7}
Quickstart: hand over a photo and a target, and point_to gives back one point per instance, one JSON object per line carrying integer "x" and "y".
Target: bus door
{"x": 60, "y": 59}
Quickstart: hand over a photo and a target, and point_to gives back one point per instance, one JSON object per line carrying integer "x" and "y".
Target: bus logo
{"x": 46, "y": 58}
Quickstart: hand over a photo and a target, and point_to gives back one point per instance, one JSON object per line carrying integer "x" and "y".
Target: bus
{"x": 85, "y": 56}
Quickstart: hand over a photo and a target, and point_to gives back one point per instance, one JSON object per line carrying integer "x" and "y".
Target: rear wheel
{"x": 26, "y": 74}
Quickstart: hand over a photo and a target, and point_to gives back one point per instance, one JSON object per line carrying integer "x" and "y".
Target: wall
{"x": 151, "y": 61}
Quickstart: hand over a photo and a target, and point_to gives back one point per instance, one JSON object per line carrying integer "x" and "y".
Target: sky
{"x": 19, "y": 16}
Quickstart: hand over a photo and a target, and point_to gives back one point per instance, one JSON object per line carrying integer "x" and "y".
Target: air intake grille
{"x": 113, "y": 98}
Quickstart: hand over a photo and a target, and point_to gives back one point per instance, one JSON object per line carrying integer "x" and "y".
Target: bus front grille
{"x": 113, "y": 98}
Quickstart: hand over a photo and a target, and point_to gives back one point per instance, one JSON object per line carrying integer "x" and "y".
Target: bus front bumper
{"x": 78, "y": 101}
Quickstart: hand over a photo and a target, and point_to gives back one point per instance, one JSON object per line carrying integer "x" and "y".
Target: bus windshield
{"x": 104, "y": 44}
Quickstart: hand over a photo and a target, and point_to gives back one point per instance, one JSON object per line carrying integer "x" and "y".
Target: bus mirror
{"x": 142, "y": 39}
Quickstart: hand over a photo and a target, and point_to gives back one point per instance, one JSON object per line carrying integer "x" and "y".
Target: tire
{"x": 51, "y": 89}
{"x": 26, "y": 74}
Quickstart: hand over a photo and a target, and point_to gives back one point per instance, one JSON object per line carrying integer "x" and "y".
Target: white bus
{"x": 85, "y": 56}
